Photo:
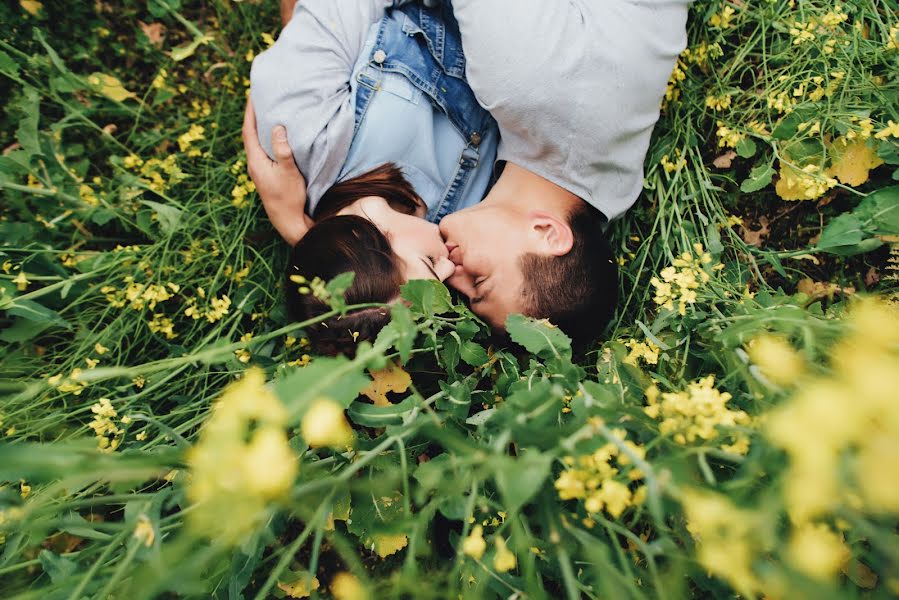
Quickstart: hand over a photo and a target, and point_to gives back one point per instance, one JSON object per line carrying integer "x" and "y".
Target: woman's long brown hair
{"x": 340, "y": 243}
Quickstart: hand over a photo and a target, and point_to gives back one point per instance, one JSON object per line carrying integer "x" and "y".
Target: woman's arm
{"x": 279, "y": 183}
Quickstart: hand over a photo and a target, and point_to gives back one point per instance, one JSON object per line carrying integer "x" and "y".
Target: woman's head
{"x": 370, "y": 225}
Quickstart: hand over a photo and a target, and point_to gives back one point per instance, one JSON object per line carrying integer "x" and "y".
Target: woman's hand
{"x": 279, "y": 182}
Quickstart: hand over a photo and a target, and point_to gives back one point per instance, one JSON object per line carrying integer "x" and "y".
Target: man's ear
{"x": 553, "y": 234}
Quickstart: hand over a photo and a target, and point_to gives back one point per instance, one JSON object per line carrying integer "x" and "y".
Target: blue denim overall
{"x": 415, "y": 108}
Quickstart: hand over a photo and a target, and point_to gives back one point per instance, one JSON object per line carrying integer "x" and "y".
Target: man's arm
{"x": 279, "y": 183}
{"x": 303, "y": 83}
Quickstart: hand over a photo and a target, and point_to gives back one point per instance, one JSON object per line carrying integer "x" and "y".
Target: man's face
{"x": 485, "y": 242}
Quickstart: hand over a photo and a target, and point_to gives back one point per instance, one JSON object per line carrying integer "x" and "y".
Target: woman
{"x": 390, "y": 139}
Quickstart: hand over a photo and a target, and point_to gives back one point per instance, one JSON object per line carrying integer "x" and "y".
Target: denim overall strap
{"x": 423, "y": 45}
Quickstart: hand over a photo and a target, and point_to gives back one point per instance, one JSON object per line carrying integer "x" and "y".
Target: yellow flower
{"x": 270, "y": 464}
{"x": 21, "y": 281}
{"x": 324, "y": 424}
{"x": 891, "y": 130}
{"x": 100, "y": 349}
{"x": 722, "y": 20}
{"x": 345, "y": 586}
{"x": 718, "y": 103}
{"x": 817, "y": 551}
{"x": 143, "y": 531}
{"x": 776, "y": 359}
{"x": 505, "y": 560}
{"x": 474, "y": 545}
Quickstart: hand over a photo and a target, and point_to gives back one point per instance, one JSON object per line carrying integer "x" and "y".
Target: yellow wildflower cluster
{"x": 672, "y": 89}
{"x": 677, "y": 284}
{"x": 157, "y": 174}
{"x": 727, "y": 137}
{"x": 242, "y": 460}
{"x": 646, "y": 351}
{"x": 324, "y": 424}
{"x": 890, "y": 130}
{"x": 87, "y": 195}
{"x": 164, "y": 325}
{"x": 718, "y": 103}
{"x": 194, "y": 134}
{"x": 241, "y": 190}
{"x": 695, "y": 414}
{"x": 854, "y": 414}
{"x": 776, "y": 359}
{"x": 138, "y": 296}
{"x": 722, "y": 19}
{"x": 893, "y": 38}
{"x": 674, "y": 163}
{"x": 214, "y": 311}
{"x": 808, "y": 31}
{"x": 728, "y": 538}
{"x": 802, "y": 183}
{"x": 199, "y": 109}
{"x": 345, "y": 586}
{"x": 68, "y": 385}
{"x": 159, "y": 81}
{"x": 781, "y": 101}
{"x": 591, "y": 478}
{"x": 109, "y": 435}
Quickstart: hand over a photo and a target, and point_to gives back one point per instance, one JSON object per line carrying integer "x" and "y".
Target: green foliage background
{"x": 138, "y": 267}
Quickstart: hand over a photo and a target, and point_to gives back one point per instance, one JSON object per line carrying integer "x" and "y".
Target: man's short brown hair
{"x": 577, "y": 291}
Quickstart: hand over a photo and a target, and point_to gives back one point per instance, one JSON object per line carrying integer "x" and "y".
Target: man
{"x": 575, "y": 86}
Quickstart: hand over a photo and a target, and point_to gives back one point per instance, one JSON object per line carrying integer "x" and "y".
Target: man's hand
{"x": 279, "y": 182}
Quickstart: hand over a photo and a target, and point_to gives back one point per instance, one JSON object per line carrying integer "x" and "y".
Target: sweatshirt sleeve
{"x": 303, "y": 83}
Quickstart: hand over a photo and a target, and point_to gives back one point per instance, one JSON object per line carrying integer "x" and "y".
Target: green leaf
{"x": 369, "y": 415}
{"x": 759, "y": 177}
{"x": 336, "y": 378}
{"x": 36, "y": 312}
{"x": 337, "y": 288}
{"x": 428, "y": 297}
{"x": 473, "y": 354}
{"x": 746, "y": 148}
{"x": 859, "y": 231}
{"x": 8, "y": 66}
{"x": 170, "y": 219}
{"x": 185, "y": 51}
{"x": 521, "y": 478}
{"x": 28, "y": 107}
{"x": 57, "y": 567}
{"x": 538, "y": 337}
{"x": 23, "y": 330}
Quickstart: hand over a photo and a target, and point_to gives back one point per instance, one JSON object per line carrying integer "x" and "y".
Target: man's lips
{"x": 455, "y": 254}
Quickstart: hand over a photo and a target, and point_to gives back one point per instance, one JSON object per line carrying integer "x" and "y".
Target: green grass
{"x": 116, "y": 237}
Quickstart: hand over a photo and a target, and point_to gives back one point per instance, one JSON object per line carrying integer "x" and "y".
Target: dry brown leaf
{"x": 155, "y": 32}
{"x": 872, "y": 277}
{"x": 860, "y": 574}
{"x": 851, "y": 161}
{"x": 391, "y": 379}
{"x": 724, "y": 161}
{"x": 816, "y": 290}
{"x": 62, "y": 543}
{"x": 754, "y": 238}
{"x": 32, "y": 7}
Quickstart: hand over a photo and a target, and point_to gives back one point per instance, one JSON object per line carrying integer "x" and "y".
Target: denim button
{"x": 475, "y": 139}
{"x": 380, "y": 56}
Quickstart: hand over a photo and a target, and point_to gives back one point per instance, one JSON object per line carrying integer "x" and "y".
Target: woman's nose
{"x": 444, "y": 268}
